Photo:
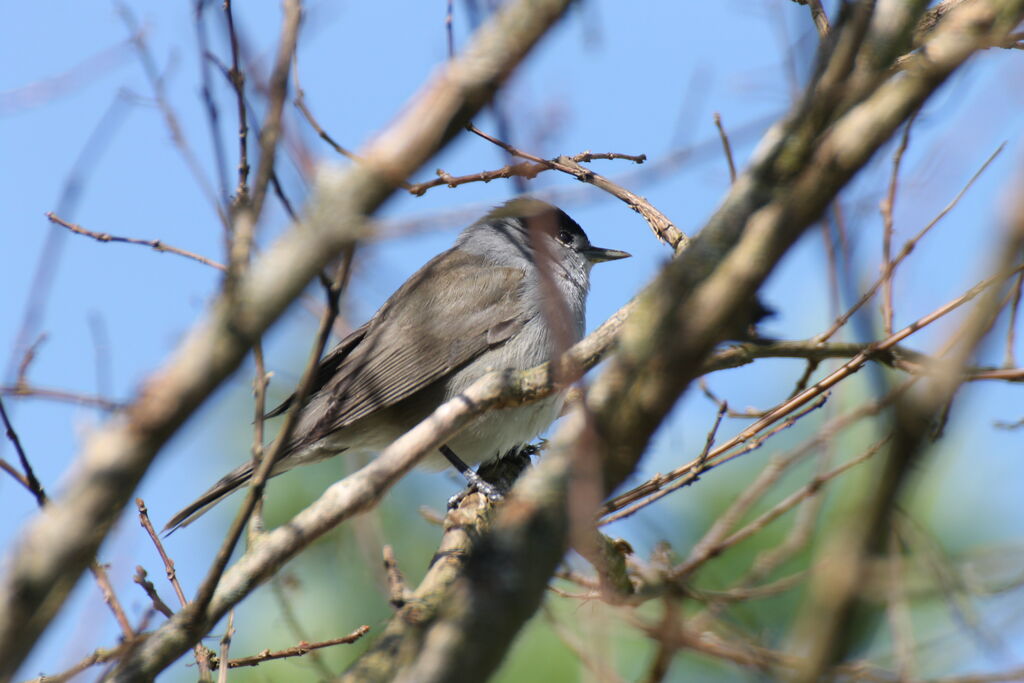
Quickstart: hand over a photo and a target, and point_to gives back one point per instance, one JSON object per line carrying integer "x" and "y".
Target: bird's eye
{"x": 564, "y": 237}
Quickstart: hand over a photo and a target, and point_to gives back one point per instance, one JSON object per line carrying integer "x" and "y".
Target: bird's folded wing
{"x": 327, "y": 367}
{"x": 447, "y": 314}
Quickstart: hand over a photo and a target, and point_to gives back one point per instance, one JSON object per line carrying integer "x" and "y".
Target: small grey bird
{"x": 509, "y": 294}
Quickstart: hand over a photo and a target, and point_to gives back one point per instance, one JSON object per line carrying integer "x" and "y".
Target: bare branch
{"x": 655, "y": 486}
{"x": 907, "y": 248}
{"x": 726, "y": 147}
{"x": 22, "y": 390}
{"x": 818, "y": 16}
{"x": 157, "y": 245}
{"x": 225, "y": 644}
{"x": 158, "y": 604}
{"x": 103, "y": 581}
{"x": 663, "y": 228}
{"x": 297, "y": 651}
{"x": 237, "y": 78}
{"x": 171, "y": 119}
{"x": 526, "y": 169}
{"x": 28, "y": 475}
{"x": 887, "y": 227}
{"x": 172, "y": 575}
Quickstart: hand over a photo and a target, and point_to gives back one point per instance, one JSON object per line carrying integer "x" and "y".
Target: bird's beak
{"x": 600, "y": 254}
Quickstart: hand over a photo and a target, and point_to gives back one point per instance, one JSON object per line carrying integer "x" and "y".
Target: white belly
{"x": 495, "y": 433}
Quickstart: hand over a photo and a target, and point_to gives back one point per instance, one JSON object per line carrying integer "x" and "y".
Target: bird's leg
{"x": 504, "y": 470}
{"x": 475, "y": 481}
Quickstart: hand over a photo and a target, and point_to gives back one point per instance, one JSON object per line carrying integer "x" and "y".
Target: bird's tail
{"x": 233, "y": 480}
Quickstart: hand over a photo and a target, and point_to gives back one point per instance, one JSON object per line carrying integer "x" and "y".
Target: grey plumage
{"x": 482, "y": 305}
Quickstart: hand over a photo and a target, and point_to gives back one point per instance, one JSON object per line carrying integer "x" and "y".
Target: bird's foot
{"x": 494, "y": 478}
{"x": 475, "y": 481}
{"x": 477, "y": 484}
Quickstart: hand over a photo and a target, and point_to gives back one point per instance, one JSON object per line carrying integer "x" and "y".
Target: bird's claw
{"x": 477, "y": 484}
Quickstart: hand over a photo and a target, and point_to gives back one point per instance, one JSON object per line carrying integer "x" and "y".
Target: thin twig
{"x": 668, "y": 643}
{"x": 259, "y": 383}
{"x": 777, "y": 510}
{"x": 886, "y": 208}
{"x": 237, "y": 78}
{"x": 48, "y": 263}
{"x": 653, "y": 486}
{"x": 949, "y": 584}
{"x": 663, "y": 228}
{"x": 202, "y": 655}
{"x": 398, "y": 589}
{"x": 799, "y": 535}
{"x": 103, "y": 581}
{"x": 270, "y": 131}
{"x": 710, "y": 543}
{"x": 21, "y": 390}
{"x": 275, "y": 182}
{"x": 101, "y": 353}
{"x": 157, "y": 83}
{"x": 18, "y": 476}
{"x": 1009, "y": 357}
{"x": 279, "y": 584}
{"x": 526, "y": 169}
{"x": 766, "y": 590}
{"x": 709, "y": 441}
{"x": 212, "y": 112}
{"x": 908, "y": 247}
{"x": 296, "y": 651}
{"x": 46, "y": 89}
{"x": 818, "y": 16}
{"x": 805, "y": 377}
{"x": 172, "y": 575}
{"x": 898, "y": 610}
{"x": 449, "y": 30}
{"x": 158, "y": 245}
{"x": 249, "y": 208}
{"x": 158, "y": 603}
{"x": 832, "y": 259}
{"x": 30, "y": 480}
{"x": 28, "y": 357}
{"x": 225, "y": 644}
{"x": 300, "y": 104}
{"x": 98, "y": 656}
{"x": 726, "y": 147}
{"x": 590, "y": 654}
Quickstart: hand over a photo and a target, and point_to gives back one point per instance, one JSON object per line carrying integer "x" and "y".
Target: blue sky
{"x": 622, "y": 77}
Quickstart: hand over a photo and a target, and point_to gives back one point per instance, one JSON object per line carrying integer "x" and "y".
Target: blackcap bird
{"x": 510, "y": 294}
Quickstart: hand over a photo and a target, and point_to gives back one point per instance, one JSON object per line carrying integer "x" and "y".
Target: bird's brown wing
{"x": 327, "y": 367}
{"x": 456, "y": 307}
